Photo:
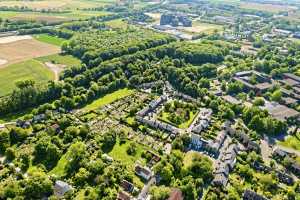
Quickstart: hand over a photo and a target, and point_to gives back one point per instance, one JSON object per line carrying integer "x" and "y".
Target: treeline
{"x": 62, "y": 33}
{"x": 27, "y": 9}
{"x": 8, "y": 25}
{"x": 93, "y": 47}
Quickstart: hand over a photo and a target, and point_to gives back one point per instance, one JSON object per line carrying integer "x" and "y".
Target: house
{"x": 231, "y": 99}
{"x": 123, "y": 196}
{"x": 285, "y": 178}
{"x": 220, "y": 180}
{"x": 143, "y": 172}
{"x": 60, "y": 188}
{"x": 279, "y": 153}
{"x": 279, "y": 111}
{"x": 281, "y": 32}
{"x": 127, "y": 186}
{"x": 251, "y": 195}
{"x": 295, "y": 168}
{"x": 292, "y": 76}
{"x": 176, "y": 194}
{"x": 55, "y": 128}
{"x": 39, "y": 118}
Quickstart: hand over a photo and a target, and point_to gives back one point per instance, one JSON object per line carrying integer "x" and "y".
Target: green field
{"x": 31, "y": 69}
{"x": 117, "y": 23}
{"x": 107, "y": 99}
{"x": 49, "y": 39}
{"x": 67, "y": 60}
{"x": 184, "y": 125}
{"x": 292, "y": 141}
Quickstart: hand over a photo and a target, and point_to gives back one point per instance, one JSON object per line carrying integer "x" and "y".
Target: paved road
{"x": 266, "y": 151}
{"x": 144, "y": 193}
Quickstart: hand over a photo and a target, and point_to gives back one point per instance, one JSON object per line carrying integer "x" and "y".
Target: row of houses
{"x": 224, "y": 165}
{"x": 283, "y": 177}
{"x": 152, "y": 106}
{"x": 203, "y": 120}
{"x": 280, "y": 155}
{"x": 158, "y": 125}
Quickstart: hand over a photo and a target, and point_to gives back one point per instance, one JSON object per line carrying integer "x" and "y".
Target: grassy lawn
{"x": 292, "y": 142}
{"x": 184, "y": 125}
{"x": 67, "y": 60}
{"x": 49, "y": 39}
{"x": 30, "y": 69}
{"x": 109, "y": 98}
{"x": 119, "y": 153}
{"x": 59, "y": 170}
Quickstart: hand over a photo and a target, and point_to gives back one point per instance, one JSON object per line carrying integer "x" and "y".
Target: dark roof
{"x": 250, "y": 195}
{"x": 127, "y": 186}
{"x": 139, "y": 169}
{"x": 292, "y": 76}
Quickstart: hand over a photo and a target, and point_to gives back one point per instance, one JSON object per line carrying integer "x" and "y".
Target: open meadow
{"x": 30, "y": 69}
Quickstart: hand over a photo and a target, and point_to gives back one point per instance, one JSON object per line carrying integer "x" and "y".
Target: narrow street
{"x": 144, "y": 193}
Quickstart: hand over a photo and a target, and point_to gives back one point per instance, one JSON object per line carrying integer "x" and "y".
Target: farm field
{"x": 107, "y": 99}
{"x": 49, "y": 39}
{"x": 266, "y": 7}
{"x": 30, "y": 69}
{"x": 51, "y": 17}
{"x": 17, "y": 51}
{"x": 55, "y": 4}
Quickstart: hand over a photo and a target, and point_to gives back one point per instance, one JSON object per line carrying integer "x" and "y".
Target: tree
{"x": 4, "y": 141}
{"x": 10, "y": 153}
{"x": 81, "y": 177}
{"x": 276, "y": 96}
{"x": 159, "y": 193}
{"x": 259, "y": 101}
{"x": 37, "y": 186}
{"x": 131, "y": 149}
{"x": 46, "y": 153}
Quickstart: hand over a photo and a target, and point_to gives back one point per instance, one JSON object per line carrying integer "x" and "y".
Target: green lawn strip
{"x": 291, "y": 141}
{"x": 59, "y": 169}
{"x": 49, "y": 39}
{"x": 30, "y": 69}
{"x": 109, "y": 98}
{"x": 67, "y": 60}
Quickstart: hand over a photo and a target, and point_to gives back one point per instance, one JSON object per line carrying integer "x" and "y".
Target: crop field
{"x": 56, "y": 4}
{"x": 49, "y": 39}
{"x": 30, "y": 69}
{"x": 17, "y": 51}
{"x": 266, "y": 7}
